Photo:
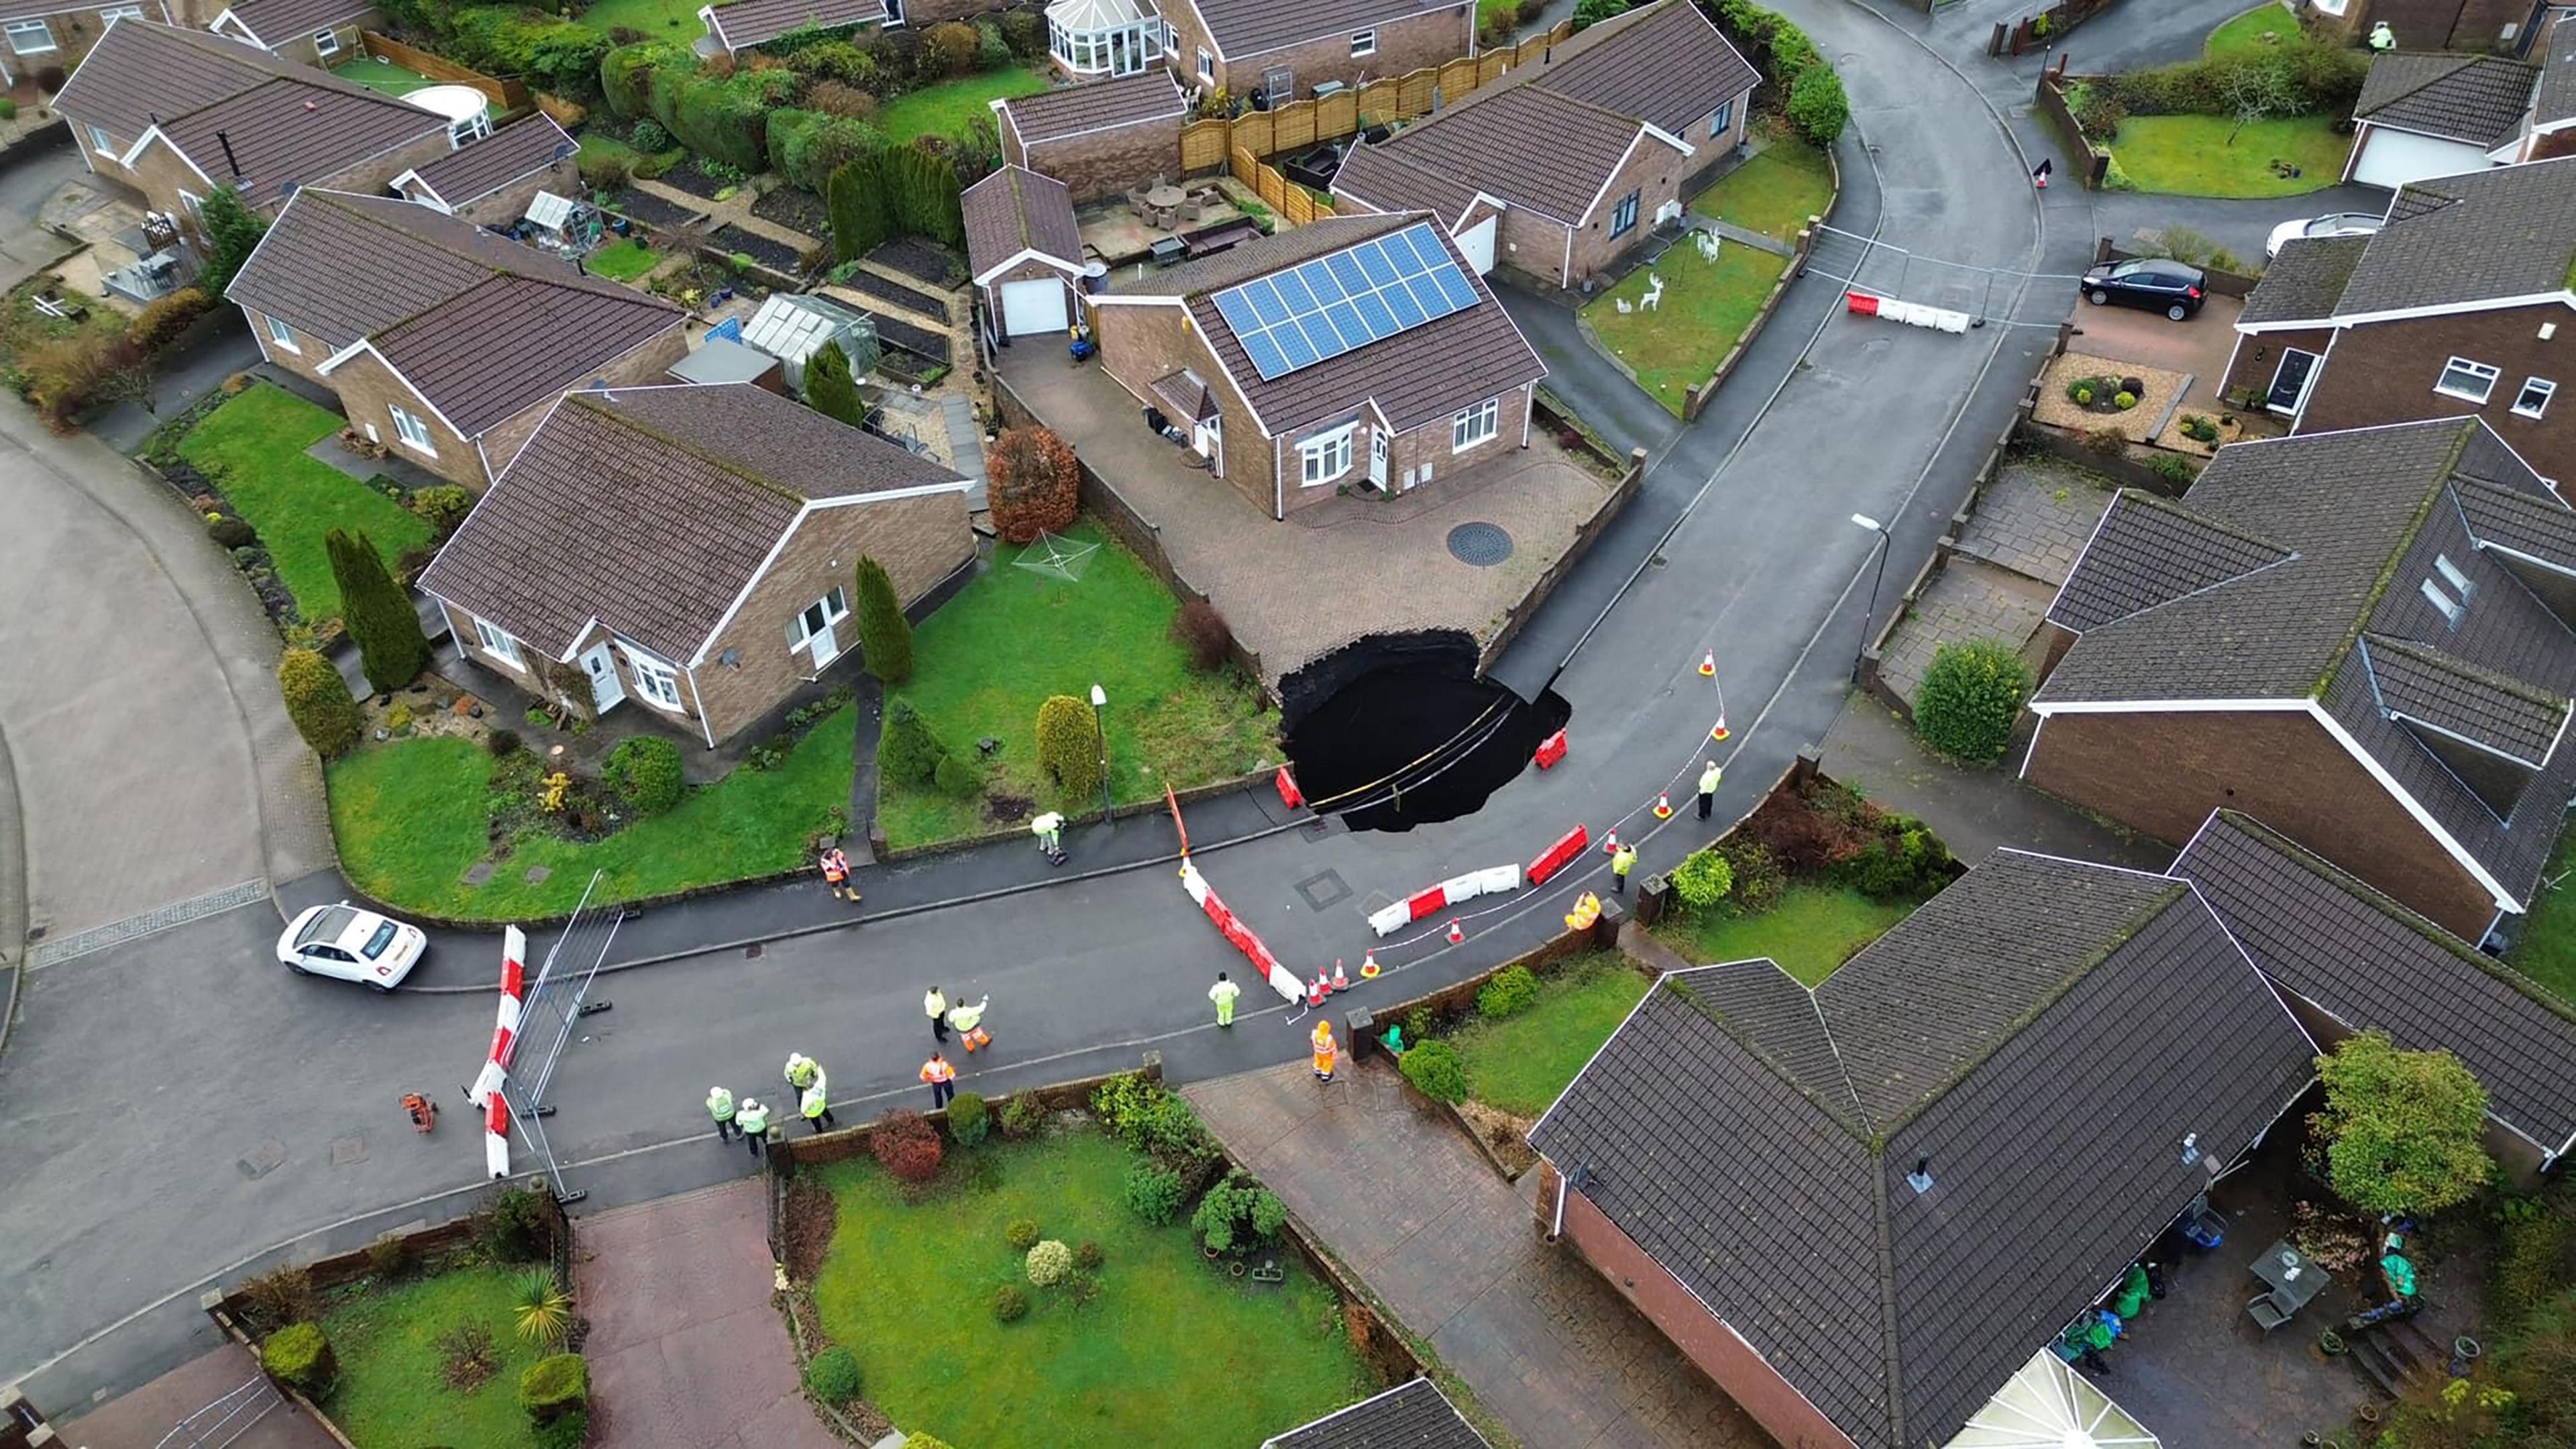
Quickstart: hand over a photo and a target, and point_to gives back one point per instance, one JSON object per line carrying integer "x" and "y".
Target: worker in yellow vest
{"x": 967, "y": 1022}
{"x": 754, "y": 1121}
{"x": 1223, "y": 994}
{"x": 720, "y": 1107}
{"x": 1620, "y": 864}
{"x": 1708, "y": 779}
{"x": 1325, "y": 1051}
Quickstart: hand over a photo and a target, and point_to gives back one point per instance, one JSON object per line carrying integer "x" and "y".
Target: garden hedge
{"x": 1435, "y": 1068}
{"x": 300, "y": 1357}
{"x": 645, "y": 773}
{"x": 1068, "y": 741}
{"x": 1788, "y": 60}
{"x": 554, "y": 1386}
{"x": 1970, "y": 698}
{"x": 318, "y": 700}
{"x": 885, "y": 635}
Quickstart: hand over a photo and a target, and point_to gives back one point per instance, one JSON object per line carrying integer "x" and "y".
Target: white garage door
{"x": 1476, "y": 243}
{"x": 1033, "y": 307}
{"x": 2394, "y": 158}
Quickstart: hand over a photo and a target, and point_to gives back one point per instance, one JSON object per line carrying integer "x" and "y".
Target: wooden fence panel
{"x": 1382, "y": 100}
{"x": 1247, "y": 170}
{"x": 1205, "y": 144}
{"x": 1292, "y": 127}
{"x": 1491, "y": 65}
{"x": 1414, "y": 92}
{"x": 1338, "y": 115}
{"x": 503, "y": 94}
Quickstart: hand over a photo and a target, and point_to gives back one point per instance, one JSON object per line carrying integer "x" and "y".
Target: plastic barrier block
{"x": 1391, "y": 919}
{"x": 1496, "y": 880}
{"x": 1550, "y": 750}
{"x": 502, "y": 1041}
{"x": 509, "y": 1011}
{"x": 1289, "y": 795}
{"x": 1553, "y": 859}
{"x": 496, "y": 1117}
{"x": 1463, "y": 887}
{"x": 1860, "y": 304}
{"x": 1423, "y": 902}
{"x": 496, "y": 1155}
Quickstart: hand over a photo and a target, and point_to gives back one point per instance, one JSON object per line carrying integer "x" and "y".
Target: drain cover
{"x": 1480, "y": 544}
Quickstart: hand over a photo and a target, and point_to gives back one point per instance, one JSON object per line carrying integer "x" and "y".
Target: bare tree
{"x": 2253, "y": 92}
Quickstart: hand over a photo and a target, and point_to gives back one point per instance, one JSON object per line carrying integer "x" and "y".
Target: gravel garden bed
{"x": 2107, "y": 380}
{"x": 692, "y": 177}
{"x": 920, "y": 341}
{"x": 900, "y": 295}
{"x": 922, "y": 261}
{"x": 653, "y": 210}
{"x": 776, "y": 255}
{"x": 795, "y": 208}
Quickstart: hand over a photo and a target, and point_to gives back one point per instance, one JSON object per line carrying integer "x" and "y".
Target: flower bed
{"x": 2067, "y": 378}
{"x": 769, "y": 252}
{"x": 921, "y": 261}
{"x": 895, "y": 292}
{"x": 795, "y": 208}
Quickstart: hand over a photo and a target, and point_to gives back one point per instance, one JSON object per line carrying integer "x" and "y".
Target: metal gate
{"x": 227, "y": 1418}
{"x": 1865, "y": 264}
{"x": 558, "y": 999}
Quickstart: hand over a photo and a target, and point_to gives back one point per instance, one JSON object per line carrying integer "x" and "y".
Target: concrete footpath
{"x": 1408, "y": 1203}
{"x": 147, "y": 1417}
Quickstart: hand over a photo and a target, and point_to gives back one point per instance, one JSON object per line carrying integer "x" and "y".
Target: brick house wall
{"x": 1410, "y": 43}
{"x": 1528, "y": 242}
{"x": 1654, "y": 171}
{"x": 2257, "y": 357}
{"x": 304, "y": 357}
{"x": 1712, "y": 143}
{"x": 1429, "y": 445}
{"x": 369, "y": 390}
{"x": 1140, "y": 344}
{"x": 919, "y": 540}
{"x": 162, "y": 174}
{"x": 2163, "y": 772}
{"x": 1189, "y": 37}
{"x": 645, "y": 364}
{"x": 74, "y": 32}
{"x": 1108, "y": 162}
{"x": 302, "y": 50}
{"x": 2383, "y": 372}
{"x": 1706, "y": 1341}
{"x": 510, "y": 203}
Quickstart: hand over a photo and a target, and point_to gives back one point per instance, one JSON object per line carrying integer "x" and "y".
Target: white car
{"x": 350, "y": 944}
{"x": 2341, "y": 223}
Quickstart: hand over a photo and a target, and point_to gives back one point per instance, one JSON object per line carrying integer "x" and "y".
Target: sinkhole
{"x": 1396, "y": 730}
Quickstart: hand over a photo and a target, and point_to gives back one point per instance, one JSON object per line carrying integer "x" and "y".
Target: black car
{"x": 2155, "y": 283}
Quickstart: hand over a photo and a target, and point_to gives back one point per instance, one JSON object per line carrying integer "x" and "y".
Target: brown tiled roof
{"x": 276, "y": 22}
{"x": 1664, "y": 64}
{"x": 2306, "y": 281}
{"x": 1414, "y": 1415}
{"x": 2509, "y": 231}
{"x": 1381, "y": 177}
{"x": 287, "y": 122}
{"x": 477, "y": 169}
{"x": 2476, "y": 99}
{"x": 1485, "y": 142}
{"x": 510, "y": 342}
{"x": 2148, "y": 551}
{"x": 2554, "y": 104}
{"x": 757, "y": 22}
{"x": 1096, "y": 106}
{"x": 1246, "y": 28}
{"x": 1016, "y": 210}
{"x": 651, "y": 509}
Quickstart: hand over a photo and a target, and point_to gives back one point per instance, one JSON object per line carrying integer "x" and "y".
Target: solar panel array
{"x": 1326, "y": 307}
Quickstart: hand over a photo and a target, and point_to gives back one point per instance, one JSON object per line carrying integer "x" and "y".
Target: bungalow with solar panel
{"x": 1356, "y": 354}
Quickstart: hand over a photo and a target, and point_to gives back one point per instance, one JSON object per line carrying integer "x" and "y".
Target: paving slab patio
{"x": 2035, "y": 516}
{"x": 686, "y": 1351}
{"x": 144, "y": 1418}
{"x": 1966, "y": 600}
{"x": 1406, "y": 1202}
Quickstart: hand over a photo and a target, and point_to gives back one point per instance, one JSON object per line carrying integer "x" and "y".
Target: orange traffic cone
{"x": 1340, "y": 981}
{"x": 1610, "y": 843}
{"x": 1663, "y": 807}
{"x": 1457, "y": 933}
{"x": 1708, "y": 665}
{"x": 1368, "y": 967}
{"x": 1720, "y": 732}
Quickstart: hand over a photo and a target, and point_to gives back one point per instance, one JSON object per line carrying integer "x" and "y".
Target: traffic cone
{"x": 1318, "y": 990}
{"x": 1457, "y": 933}
{"x": 1708, "y": 665}
{"x": 1610, "y": 843}
{"x": 1368, "y": 967}
{"x": 1340, "y": 981}
{"x": 1663, "y": 807}
{"x": 1720, "y": 732}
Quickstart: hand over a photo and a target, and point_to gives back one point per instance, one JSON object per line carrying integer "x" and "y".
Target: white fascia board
{"x": 1611, "y": 176}
{"x": 2533, "y": 559}
{"x": 1487, "y": 198}
{"x": 2248, "y": 329}
{"x": 2045, "y": 708}
{"x": 155, "y": 133}
{"x": 1026, "y": 254}
{"x": 1660, "y": 134}
{"x": 2498, "y": 304}
{"x": 743, "y": 595}
{"x": 367, "y": 345}
{"x": 2333, "y": 727}
{"x": 243, "y": 26}
{"x": 2413, "y": 721}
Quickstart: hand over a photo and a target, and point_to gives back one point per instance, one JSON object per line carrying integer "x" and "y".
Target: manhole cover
{"x": 1482, "y": 545}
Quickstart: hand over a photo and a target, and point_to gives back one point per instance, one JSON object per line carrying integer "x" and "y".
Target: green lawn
{"x": 2546, "y": 949}
{"x": 391, "y": 1393}
{"x": 944, "y": 110}
{"x": 1706, "y": 307}
{"x": 1170, "y": 1340}
{"x": 253, "y": 448}
{"x": 1774, "y": 192}
{"x": 2190, "y": 155}
{"x": 1810, "y": 932}
{"x": 989, "y": 657}
{"x": 623, "y": 261}
{"x": 1522, "y": 1063}
{"x": 412, "y": 816}
{"x": 2246, "y": 31}
{"x": 381, "y": 75}
{"x": 660, "y": 19}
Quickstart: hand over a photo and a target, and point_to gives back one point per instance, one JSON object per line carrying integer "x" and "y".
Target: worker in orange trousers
{"x": 1325, "y": 1051}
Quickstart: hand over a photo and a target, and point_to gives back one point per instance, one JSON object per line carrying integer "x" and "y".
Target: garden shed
{"x": 792, "y": 328}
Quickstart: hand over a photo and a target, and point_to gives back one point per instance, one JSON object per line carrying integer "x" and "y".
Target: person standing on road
{"x": 801, "y": 1071}
{"x": 1708, "y": 779}
{"x": 968, "y": 1021}
{"x": 1622, "y": 862}
{"x": 935, "y": 1006}
{"x": 1326, "y": 1053}
{"x": 942, "y": 1079}
{"x": 836, "y": 872}
{"x": 755, "y": 1123}
{"x": 816, "y": 1104}
{"x": 1223, "y": 994}
{"x": 720, "y": 1107}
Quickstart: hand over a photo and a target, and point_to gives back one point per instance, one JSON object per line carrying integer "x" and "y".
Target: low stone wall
{"x": 2089, "y": 165}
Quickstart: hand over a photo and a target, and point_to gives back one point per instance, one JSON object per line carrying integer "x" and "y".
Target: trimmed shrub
{"x": 389, "y": 1256}
{"x": 1817, "y": 105}
{"x": 1970, "y": 698}
{"x": 164, "y": 318}
{"x": 957, "y": 777}
{"x": 1036, "y": 484}
{"x": 906, "y": 749}
{"x": 232, "y": 231}
{"x": 318, "y": 700}
{"x": 856, "y": 198}
{"x": 626, "y": 82}
{"x": 300, "y": 1357}
{"x": 1010, "y": 1305}
{"x": 951, "y": 46}
{"x": 968, "y": 1119}
{"x": 554, "y": 1386}
{"x": 604, "y": 170}
{"x": 992, "y": 52}
{"x": 1512, "y": 991}
{"x": 63, "y": 376}
{"x": 1024, "y": 1116}
{"x": 283, "y": 1295}
{"x": 1436, "y": 1070}
{"x": 1702, "y": 879}
{"x": 515, "y": 1225}
{"x": 1048, "y": 1263}
{"x": 1068, "y": 746}
{"x": 922, "y": 191}
{"x": 230, "y": 533}
{"x": 837, "y": 98}
{"x": 1237, "y": 1211}
{"x": 807, "y": 146}
{"x": 1203, "y": 632}
{"x": 1758, "y": 877}
{"x": 1022, "y": 1234}
{"x": 885, "y": 635}
{"x": 906, "y": 1145}
{"x": 8, "y": 109}
{"x": 377, "y": 612}
{"x": 442, "y": 506}
{"x": 1154, "y": 1193}
{"x": 2174, "y": 468}
{"x": 833, "y": 1376}
{"x": 645, "y": 774}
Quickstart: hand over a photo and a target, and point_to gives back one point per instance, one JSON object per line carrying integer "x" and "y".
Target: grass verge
{"x": 909, "y": 1281}
{"x": 1523, "y": 1062}
{"x": 944, "y": 110}
{"x": 1706, "y": 307}
{"x": 392, "y": 1393}
{"x": 660, "y": 19}
{"x": 2191, "y": 155}
{"x": 1774, "y": 191}
{"x": 2248, "y": 31}
{"x": 412, "y": 816}
{"x": 1811, "y": 931}
{"x": 252, "y": 448}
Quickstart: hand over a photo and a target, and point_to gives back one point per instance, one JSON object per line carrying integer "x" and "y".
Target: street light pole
{"x": 1100, "y": 732}
{"x": 1886, "y": 543}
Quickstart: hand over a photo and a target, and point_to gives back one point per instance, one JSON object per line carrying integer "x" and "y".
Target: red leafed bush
{"x": 1036, "y": 484}
{"x": 907, "y": 1145}
{"x": 1203, "y": 632}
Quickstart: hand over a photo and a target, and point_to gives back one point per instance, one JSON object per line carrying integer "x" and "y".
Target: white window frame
{"x": 1721, "y": 119}
{"x": 656, "y": 683}
{"x": 1171, "y": 40}
{"x": 1363, "y": 42}
{"x": 2307, "y": 383}
{"x": 2530, "y": 385}
{"x": 99, "y": 142}
{"x": 326, "y": 42}
{"x": 413, "y": 431}
{"x": 2452, "y": 610}
{"x": 1475, "y": 426}
{"x": 2488, "y": 375}
{"x": 1628, "y": 206}
{"x": 2450, "y": 572}
{"x": 15, "y": 28}
{"x": 497, "y": 642}
{"x": 835, "y": 606}
{"x": 1207, "y": 65}
{"x": 281, "y": 334}
{"x": 195, "y": 204}
{"x": 1326, "y": 449}
{"x": 115, "y": 13}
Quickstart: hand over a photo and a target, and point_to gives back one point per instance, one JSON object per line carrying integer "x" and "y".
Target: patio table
{"x": 2291, "y": 1277}
{"x": 1165, "y": 197}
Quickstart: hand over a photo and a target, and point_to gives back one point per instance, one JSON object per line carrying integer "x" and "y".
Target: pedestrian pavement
{"x": 686, "y": 1349}
{"x": 1405, "y": 1201}
{"x": 144, "y": 1418}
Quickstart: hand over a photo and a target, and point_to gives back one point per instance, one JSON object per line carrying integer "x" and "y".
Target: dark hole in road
{"x": 1410, "y": 709}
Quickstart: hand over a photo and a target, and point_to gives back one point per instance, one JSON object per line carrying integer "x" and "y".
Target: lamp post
{"x": 1100, "y": 732}
{"x": 1886, "y": 542}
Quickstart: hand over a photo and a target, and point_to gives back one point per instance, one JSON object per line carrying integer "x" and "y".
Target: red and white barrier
{"x": 1555, "y": 857}
{"x": 496, "y": 1062}
{"x": 1489, "y": 882}
{"x": 1231, "y": 926}
{"x": 1912, "y": 314}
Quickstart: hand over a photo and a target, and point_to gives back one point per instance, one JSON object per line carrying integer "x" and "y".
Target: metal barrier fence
{"x": 559, "y": 998}
{"x": 227, "y": 1418}
{"x": 1987, "y": 294}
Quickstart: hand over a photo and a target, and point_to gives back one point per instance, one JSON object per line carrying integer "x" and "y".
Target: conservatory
{"x": 1104, "y": 37}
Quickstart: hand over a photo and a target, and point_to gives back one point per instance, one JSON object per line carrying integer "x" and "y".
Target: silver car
{"x": 2341, "y": 223}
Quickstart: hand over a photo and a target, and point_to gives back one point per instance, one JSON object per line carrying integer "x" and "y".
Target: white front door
{"x": 1377, "y": 456}
{"x": 607, "y": 691}
{"x": 826, "y": 647}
